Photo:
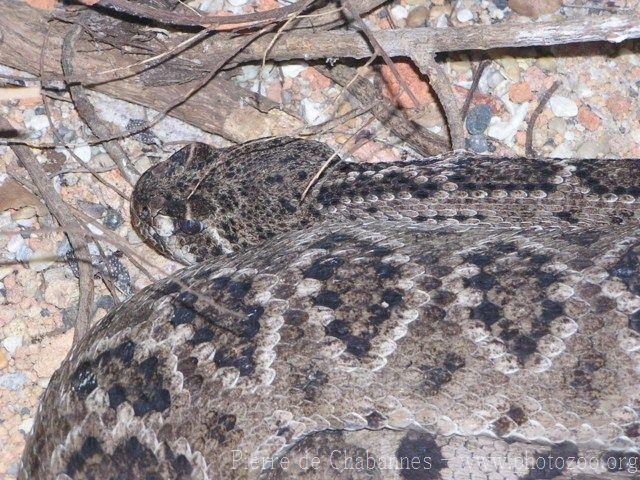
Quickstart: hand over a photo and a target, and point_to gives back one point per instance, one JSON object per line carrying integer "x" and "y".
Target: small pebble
{"x": 477, "y": 143}
{"x": 37, "y": 123}
{"x": 464, "y": 15}
{"x": 588, "y": 149}
{"x": 13, "y": 469}
{"x": 212, "y": 5}
{"x": 145, "y": 136}
{"x": 237, "y": 3}
{"x": 418, "y": 16}
{"x": 24, "y": 254}
{"x": 292, "y": 70}
{"x": 67, "y": 134}
{"x": 112, "y": 219}
{"x": 588, "y": 119}
{"x": 12, "y": 343}
{"x": 520, "y": 92}
{"x": 83, "y": 153}
{"x": 399, "y": 13}
{"x": 511, "y": 67}
{"x": 558, "y": 125}
{"x": 563, "y": 106}
{"x": 478, "y": 119}
{"x": 249, "y": 73}
{"x": 4, "y": 360}
{"x": 491, "y": 79}
{"x": 501, "y": 4}
{"x": 13, "y": 381}
{"x": 563, "y": 150}
{"x": 69, "y": 315}
{"x": 106, "y": 302}
{"x": 26, "y": 425}
{"x": 314, "y": 113}
{"x": 534, "y": 8}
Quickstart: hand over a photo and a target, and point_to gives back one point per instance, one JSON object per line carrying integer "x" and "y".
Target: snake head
{"x": 202, "y": 201}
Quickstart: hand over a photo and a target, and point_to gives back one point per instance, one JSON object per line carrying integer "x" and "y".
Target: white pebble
{"x": 83, "y": 152}
{"x": 37, "y": 123}
{"x": 24, "y": 253}
{"x": 563, "y": 106}
{"x": 14, "y": 244}
{"x": 26, "y": 426}
{"x": 236, "y": 3}
{"x": 249, "y": 72}
{"x": 12, "y": 343}
{"x": 292, "y": 70}
{"x": 314, "y": 113}
{"x": 399, "y": 13}
{"x": 212, "y": 5}
{"x": 563, "y": 150}
{"x": 464, "y": 15}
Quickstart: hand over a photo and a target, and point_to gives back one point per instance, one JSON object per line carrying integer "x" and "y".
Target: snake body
{"x": 453, "y": 318}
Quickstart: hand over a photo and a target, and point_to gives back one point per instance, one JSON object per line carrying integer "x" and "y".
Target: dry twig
{"x": 534, "y": 117}
{"x": 438, "y": 80}
{"x": 67, "y": 221}
{"x": 477, "y": 75}
{"x": 87, "y": 112}
{"x": 396, "y": 120}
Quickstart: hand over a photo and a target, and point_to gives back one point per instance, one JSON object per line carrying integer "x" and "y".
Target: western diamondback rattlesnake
{"x": 464, "y": 318}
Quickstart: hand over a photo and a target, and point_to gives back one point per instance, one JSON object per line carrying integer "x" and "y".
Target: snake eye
{"x": 190, "y": 227}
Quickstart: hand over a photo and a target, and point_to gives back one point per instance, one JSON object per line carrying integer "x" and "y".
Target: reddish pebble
{"x": 418, "y": 86}
{"x": 619, "y": 107}
{"x": 588, "y": 119}
{"x": 316, "y": 80}
{"x": 535, "y": 77}
{"x": 520, "y": 93}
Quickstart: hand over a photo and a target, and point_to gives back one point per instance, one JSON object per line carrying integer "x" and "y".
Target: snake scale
{"x": 452, "y": 318}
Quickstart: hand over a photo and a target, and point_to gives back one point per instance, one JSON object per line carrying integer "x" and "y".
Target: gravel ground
{"x": 594, "y": 113}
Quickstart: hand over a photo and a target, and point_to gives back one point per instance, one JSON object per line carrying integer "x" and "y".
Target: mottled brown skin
{"x": 437, "y": 316}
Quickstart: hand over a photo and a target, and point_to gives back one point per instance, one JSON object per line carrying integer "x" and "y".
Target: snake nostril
{"x": 190, "y": 227}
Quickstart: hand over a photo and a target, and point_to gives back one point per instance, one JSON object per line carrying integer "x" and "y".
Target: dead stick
{"x": 534, "y": 117}
{"x": 438, "y": 80}
{"x": 406, "y": 42}
{"x": 379, "y": 50}
{"x": 87, "y": 112}
{"x": 63, "y": 215}
{"x": 474, "y": 86}
{"x": 421, "y": 139}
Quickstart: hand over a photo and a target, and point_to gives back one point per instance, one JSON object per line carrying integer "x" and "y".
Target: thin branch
{"x": 87, "y": 112}
{"x": 57, "y": 135}
{"x": 530, "y": 152}
{"x": 421, "y": 139}
{"x": 61, "y": 212}
{"x": 438, "y": 80}
{"x": 379, "y": 50}
{"x": 477, "y": 75}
